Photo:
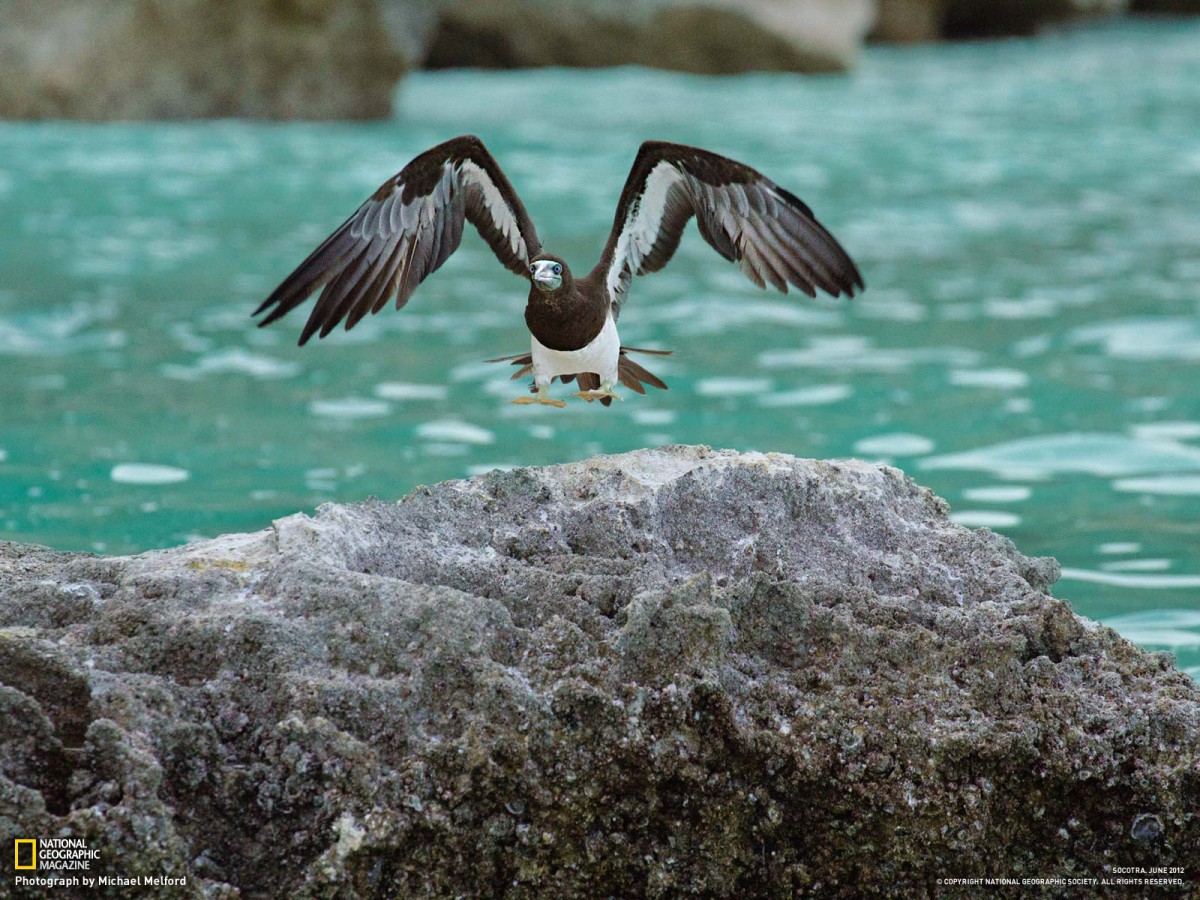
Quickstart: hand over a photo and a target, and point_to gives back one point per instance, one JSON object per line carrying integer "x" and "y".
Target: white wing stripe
{"x": 641, "y": 225}
{"x": 506, "y": 223}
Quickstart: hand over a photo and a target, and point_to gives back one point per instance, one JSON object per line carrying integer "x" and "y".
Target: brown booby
{"x": 414, "y": 221}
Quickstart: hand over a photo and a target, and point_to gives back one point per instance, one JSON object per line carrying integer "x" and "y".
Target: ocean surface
{"x": 1026, "y": 214}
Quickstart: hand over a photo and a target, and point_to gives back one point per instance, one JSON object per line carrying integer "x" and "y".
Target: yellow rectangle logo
{"x": 31, "y": 853}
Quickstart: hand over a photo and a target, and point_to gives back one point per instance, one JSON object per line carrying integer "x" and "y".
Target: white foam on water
{"x": 816, "y": 395}
{"x": 1000, "y": 493}
{"x": 350, "y": 408}
{"x": 1023, "y": 308}
{"x": 898, "y": 444}
{"x": 59, "y": 330}
{"x": 454, "y": 430}
{"x": 998, "y": 379}
{"x": 1166, "y": 431}
{"x": 396, "y": 390}
{"x": 148, "y": 473}
{"x": 654, "y": 416}
{"x": 729, "y": 387}
{"x": 1093, "y": 454}
{"x": 1165, "y": 485}
{"x": 1114, "y": 579}
{"x": 716, "y": 315}
{"x": 1144, "y": 338}
{"x": 855, "y": 353}
{"x": 1137, "y": 565}
{"x": 985, "y": 518}
{"x": 1115, "y": 548}
{"x": 232, "y": 361}
{"x": 476, "y": 370}
{"x": 1172, "y": 628}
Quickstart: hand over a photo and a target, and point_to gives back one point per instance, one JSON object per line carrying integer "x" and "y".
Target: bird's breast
{"x": 565, "y": 322}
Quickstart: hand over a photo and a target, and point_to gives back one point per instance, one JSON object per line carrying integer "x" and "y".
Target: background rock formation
{"x": 714, "y": 37}
{"x": 664, "y": 673}
{"x": 329, "y": 59}
{"x": 172, "y": 59}
{"x": 906, "y": 21}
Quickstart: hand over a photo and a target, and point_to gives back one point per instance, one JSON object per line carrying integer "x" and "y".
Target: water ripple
{"x": 1092, "y": 454}
{"x": 148, "y": 473}
{"x": 1154, "y": 582}
{"x": 1171, "y": 628}
{"x": 1169, "y": 485}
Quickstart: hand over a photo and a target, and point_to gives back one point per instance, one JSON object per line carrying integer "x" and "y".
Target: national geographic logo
{"x": 58, "y": 854}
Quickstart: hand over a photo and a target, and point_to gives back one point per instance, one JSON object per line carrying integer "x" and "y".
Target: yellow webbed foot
{"x": 542, "y": 399}
{"x": 589, "y": 396}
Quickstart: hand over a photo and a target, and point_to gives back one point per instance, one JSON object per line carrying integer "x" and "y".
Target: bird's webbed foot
{"x": 543, "y": 397}
{"x": 589, "y": 396}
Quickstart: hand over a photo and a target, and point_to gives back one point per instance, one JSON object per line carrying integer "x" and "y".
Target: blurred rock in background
{"x": 178, "y": 59}
{"x": 341, "y": 59}
{"x": 908, "y": 21}
{"x": 714, "y": 37}
{"x": 1180, "y": 7}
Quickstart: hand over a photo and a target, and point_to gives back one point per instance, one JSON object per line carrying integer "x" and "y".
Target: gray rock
{"x": 672, "y": 672}
{"x": 342, "y": 59}
{"x": 178, "y": 59}
{"x": 1168, "y": 7}
{"x": 706, "y": 36}
{"x": 906, "y": 21}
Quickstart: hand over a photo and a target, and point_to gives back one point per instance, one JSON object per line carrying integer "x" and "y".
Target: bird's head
{"x": 548, "y": 273}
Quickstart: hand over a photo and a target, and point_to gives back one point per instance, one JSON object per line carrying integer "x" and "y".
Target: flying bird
{"x": 405, "y": 231}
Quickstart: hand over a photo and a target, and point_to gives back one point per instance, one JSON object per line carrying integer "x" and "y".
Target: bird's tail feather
{"x": 629, "y": 373}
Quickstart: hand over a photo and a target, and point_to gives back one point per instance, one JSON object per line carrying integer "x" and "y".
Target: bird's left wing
{"x": 404, "y": 233}
{"x": 747, "y": 218}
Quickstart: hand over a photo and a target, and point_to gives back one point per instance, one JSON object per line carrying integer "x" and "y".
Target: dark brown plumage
{"x": 404, "y": 232}
{"x": 408, "y": 228}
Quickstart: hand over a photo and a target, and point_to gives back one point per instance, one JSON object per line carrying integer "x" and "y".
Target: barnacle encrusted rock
{"x": 672, "y": 672}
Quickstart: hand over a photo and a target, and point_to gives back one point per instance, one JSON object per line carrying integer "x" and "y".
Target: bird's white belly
{"x": 600, "y": 356}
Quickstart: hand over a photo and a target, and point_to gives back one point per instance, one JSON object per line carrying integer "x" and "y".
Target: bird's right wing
{"x": 403, "y": 234}
{"x": 770, "y": 233}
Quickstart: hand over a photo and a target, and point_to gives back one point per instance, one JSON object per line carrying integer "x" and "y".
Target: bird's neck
{"x": 565, "y": 319}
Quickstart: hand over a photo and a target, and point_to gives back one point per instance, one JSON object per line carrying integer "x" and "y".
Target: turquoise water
{"x": 1025, "y": 214}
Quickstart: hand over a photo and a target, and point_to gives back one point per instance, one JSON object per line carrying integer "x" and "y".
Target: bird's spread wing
{"x": 747, "y": 218}
{"x": 404, "y": 233}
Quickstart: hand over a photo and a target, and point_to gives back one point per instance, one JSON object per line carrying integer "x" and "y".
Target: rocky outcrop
{"x": 1171, "y": 7}
{"x": 342, "y": 59}
{"x": 706, "y": 36}
{"x": 338, "y": 59}
{"x": 670, "y": 673}
{"x": 907, "y": 21}
{"x": 172, "y": 59}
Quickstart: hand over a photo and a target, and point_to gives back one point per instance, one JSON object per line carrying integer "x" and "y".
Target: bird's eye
{"x": 533, "y": 269}
{"x": 557, "y": 269}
